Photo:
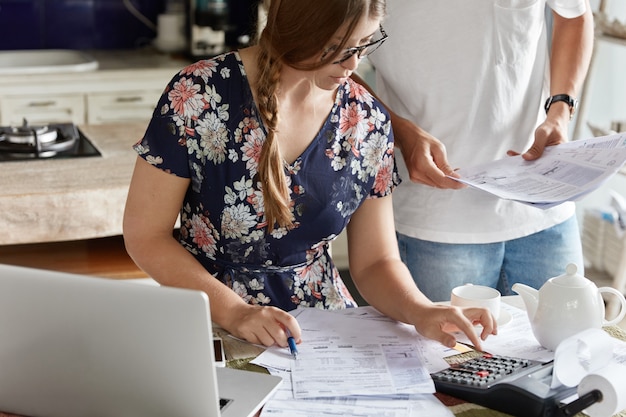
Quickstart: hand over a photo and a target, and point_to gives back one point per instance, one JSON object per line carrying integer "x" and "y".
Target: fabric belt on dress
{"x": 229, "y": 269}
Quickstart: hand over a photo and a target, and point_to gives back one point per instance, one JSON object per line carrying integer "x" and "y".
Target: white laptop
{"x": 79, "y": 346}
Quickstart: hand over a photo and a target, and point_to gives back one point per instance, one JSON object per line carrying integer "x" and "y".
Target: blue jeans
{"x": 439, "y": 267}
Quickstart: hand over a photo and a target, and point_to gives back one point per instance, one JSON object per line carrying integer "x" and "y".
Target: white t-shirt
{"x": 473, "y": 73}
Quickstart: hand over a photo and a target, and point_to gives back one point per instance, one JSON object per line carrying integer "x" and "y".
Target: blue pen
{"x": 292, "y": 345}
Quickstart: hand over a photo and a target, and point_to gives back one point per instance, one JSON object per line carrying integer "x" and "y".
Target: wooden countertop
{"x": 69, "y": 199}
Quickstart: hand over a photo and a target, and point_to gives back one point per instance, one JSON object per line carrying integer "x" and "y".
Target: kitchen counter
{"x": 114, "y": 67}
{"x": 69, "y": 199}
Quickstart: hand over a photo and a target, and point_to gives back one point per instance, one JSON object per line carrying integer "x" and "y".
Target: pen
{"x": 292, "y": 346}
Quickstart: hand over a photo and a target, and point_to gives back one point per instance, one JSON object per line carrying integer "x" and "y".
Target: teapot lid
{"x": 571, "y": 278}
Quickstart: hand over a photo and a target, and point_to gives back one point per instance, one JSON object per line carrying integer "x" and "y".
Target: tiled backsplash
{"x": 75, "y": 24}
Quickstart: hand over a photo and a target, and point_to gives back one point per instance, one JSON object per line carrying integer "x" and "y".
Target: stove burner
{"x": 52, "y": 141}
{"x": 26, "y": 134}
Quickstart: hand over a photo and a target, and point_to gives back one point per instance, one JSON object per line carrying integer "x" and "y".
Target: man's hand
{"x": 553, "y": 131}
{"x": 424, "y": 155}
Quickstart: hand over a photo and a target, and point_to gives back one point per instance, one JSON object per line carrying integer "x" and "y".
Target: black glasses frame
{"x": 359, "y": 50}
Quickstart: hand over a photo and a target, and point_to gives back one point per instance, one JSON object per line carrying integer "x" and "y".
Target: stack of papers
{"x": 353, "y": 362}
{"x": 565, "y": 172}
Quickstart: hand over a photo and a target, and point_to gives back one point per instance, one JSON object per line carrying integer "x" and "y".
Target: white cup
{"x": 470, "y": 295}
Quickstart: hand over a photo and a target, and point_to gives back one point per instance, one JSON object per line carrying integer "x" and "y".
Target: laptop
{"x": 77, "y": 346}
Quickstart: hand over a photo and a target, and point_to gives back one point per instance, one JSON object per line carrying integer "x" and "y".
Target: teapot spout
{"x": 530, "y": 297}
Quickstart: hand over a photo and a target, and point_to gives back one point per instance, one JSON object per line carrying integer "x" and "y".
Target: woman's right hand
{"x": 441, "y": 321}
{"x": 263, "y": 325}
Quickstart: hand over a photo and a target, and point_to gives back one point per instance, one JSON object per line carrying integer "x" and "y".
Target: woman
{"x": 268, "y": 153}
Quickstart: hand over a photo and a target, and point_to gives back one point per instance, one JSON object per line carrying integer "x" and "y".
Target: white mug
{"x": 470, "y": 295}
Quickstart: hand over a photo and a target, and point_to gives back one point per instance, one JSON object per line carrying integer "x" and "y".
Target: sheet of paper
{"x": 515, "y": 339}
{"x": 283, "y": 404}
{"x": 306, "y": 408}
{"x": 363, "y": 324}
{"x": 354, "y": 351}
{"x": 339, "y": 368}
{"x": 565, "y": 172}
{"x": 398, "y": 406}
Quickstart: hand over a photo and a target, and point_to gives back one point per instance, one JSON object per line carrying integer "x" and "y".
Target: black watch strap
{"x": 571, "y": 102}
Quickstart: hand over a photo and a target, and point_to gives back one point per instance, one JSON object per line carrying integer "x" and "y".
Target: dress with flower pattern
{"x": 206, "y": 127}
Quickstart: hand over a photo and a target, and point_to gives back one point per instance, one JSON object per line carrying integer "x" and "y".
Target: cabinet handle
{"x": 42, "y": 103}
{"x": 128, "y": 99}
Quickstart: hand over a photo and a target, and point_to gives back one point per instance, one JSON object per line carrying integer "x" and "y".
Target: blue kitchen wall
{"x": 75, "y": 24}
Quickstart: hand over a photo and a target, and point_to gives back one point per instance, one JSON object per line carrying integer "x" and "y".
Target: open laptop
{"x": 77, "y": 346}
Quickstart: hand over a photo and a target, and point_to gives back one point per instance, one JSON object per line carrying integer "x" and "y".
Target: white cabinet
{"x": 91, "y": 107}
{"x": 126, "y": 106}
{"x": 41, "y": 108}
{"x": 125, "y": 88}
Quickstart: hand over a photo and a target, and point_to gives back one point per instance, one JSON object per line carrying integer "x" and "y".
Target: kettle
{"x": 566, "y": 305}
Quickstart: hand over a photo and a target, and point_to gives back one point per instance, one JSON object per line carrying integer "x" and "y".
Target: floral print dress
{"x": 206, "y": 127}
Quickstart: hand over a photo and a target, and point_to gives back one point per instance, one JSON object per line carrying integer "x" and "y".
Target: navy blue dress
{"x": 206, "y": 127}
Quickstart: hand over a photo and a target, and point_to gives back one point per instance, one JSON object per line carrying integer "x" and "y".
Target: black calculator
{"x": 519, "y": 387}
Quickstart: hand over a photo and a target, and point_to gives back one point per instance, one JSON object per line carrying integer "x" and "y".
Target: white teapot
{"x": 566, "y": 305}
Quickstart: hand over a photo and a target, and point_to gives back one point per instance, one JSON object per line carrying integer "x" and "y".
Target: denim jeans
{"x": 439, "y": 267}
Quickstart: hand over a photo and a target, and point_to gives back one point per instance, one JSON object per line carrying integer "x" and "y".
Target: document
{"x": 326, "y": 368}
{"x": 396, "y": 406}
{"x": 565, "y": 172}
{"x": 353, "y": 362}
{"x": 356, "y": 353}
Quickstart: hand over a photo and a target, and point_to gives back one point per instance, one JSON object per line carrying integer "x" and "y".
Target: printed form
{"x": 565, "y": 172}
{"x": 352, "y": 362}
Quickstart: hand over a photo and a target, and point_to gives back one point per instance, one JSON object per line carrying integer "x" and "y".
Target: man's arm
{"x": 424, "y": 155}
{"x": 572, "y": 45}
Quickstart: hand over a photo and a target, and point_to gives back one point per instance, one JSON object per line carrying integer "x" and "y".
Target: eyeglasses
{"x": 360, "y": 51}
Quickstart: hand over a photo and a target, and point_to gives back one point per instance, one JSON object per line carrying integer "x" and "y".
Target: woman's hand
{"x": 263, "y": 325}
{"x": 438, "y": 321}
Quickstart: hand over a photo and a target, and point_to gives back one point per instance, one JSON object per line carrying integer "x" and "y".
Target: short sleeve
{"x": 569, "y": 9}
{"x": 164, "y": 144}
{"x": 386, "y": 177}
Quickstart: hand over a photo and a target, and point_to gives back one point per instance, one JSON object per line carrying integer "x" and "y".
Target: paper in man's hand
{"x": 565, "y": 172}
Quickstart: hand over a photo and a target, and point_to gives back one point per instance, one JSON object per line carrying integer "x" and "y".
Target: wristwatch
{"x": 571, "y": 102}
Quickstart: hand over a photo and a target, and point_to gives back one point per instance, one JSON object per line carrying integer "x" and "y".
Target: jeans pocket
{"x": 517, "y": 27}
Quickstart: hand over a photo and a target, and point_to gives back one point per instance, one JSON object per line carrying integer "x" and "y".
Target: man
{"x": 470, "y": 82}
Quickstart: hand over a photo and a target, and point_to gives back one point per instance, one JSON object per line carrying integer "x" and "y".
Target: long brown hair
{"x": 296, "y": 30}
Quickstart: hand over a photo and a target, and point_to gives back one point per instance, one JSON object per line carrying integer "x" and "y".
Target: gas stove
{"x": 52, "y": 141}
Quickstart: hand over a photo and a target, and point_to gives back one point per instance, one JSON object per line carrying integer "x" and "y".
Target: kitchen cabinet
{"x": 124, "y": 88}
{"x": 42, "y": 108}
{"x": 124, "y": 106}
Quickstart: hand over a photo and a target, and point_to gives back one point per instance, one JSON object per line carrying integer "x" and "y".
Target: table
{"x": 240, "y": 353}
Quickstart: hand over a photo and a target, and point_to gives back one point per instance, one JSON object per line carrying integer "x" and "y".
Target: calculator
{"x": 516, "y": 386}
